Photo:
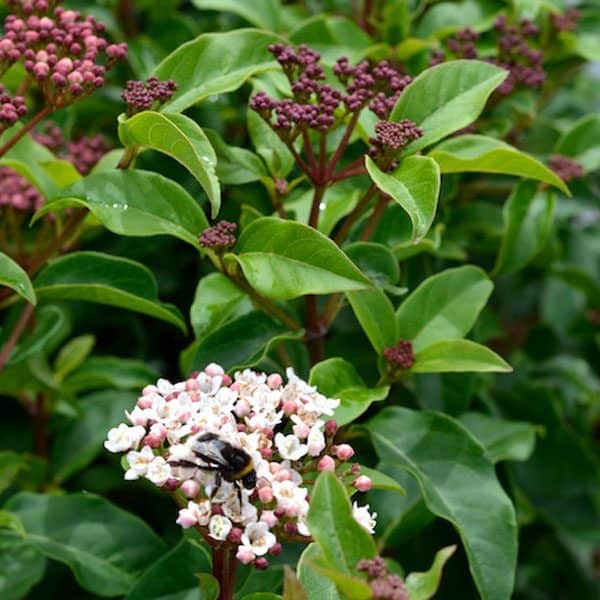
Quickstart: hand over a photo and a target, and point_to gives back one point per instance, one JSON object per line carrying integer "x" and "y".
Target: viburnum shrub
{"x": 299, "y": 299}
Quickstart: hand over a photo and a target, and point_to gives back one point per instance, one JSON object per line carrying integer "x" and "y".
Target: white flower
{"x": 258, "y": 537}
{"x": 289, "y": 447}
{"x": 219, "y": 527}
{"x": 203, "y": 512}
{"x": 289, "y": 496}
{"x": 315, "y": 440}
{"x": 363, "y": 517}
{"x": 123, "y": 438}
{"x": 138, "y": 462}
{"x": 159, "y": 471}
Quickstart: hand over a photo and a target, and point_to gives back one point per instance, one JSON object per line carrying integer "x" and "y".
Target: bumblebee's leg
{"x": 218, "y": 482}
{"x": 183, "y": 463}
{"x": 239, "y": 494}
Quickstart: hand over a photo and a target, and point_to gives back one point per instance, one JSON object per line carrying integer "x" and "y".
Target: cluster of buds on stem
{"x": 390, "y": 138}
{"x": 17, "y": 192}
{"x": 400, "y": 355}
{"x": 513, "y": 53}
{"x": 567, "y": 21}
{"x": 12, "y": 108}
{"x": 384, "y": 585}
{"x": 60, "y": 49}
{"x": 145, "y": 95}
{"x": 219, "y": 237}
{"x": 566, "y": 168}
{"x": 243, "y": 452}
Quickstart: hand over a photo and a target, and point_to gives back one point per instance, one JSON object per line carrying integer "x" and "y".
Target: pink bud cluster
{"x": 219, "y": 237}
{"x": 143, "y": 95}
{"x": 17, "y": 192}
{"x": 566, "y": 168}
{"x": 11, "y": 108}
{"x": 314, "y": 104}
{"x": 390, "y": 138}
{"x": 401, "y": 354}
{"x": 384, "y": 585}
{"x": 60, "y": 48}
{"x": 568, "y": 21}
{"x": 285, "y": 428}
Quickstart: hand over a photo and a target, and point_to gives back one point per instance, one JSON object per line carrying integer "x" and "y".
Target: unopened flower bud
{"x": 326, "y": 463}
{"x": 190, "y": 488}
{"x": 261, "y": 563}
{"x": 344, "y": 452}
{"x": 363, "y": 483}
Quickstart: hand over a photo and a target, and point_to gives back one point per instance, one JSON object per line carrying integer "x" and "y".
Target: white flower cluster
{"x": 279, "y": 430}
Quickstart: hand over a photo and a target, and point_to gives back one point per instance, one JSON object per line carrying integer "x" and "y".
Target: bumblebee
{"x": 228, "y": 462}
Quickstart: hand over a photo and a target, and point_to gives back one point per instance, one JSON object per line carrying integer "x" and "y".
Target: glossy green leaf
{"x": 14, "y": 277}
{"x": 81, "y": 440}
{"x": 481, "y": 154}
{"x": 444, "y": 306}
{"x": 101, "y": 372}
{"x": 446, "y": 17}
{"x": 239, "y": 343}
{"x": 582, "y": 142}
{"x": 181, "y": 138}
{"x": 135, "y": 203}
{"x": 292, "y": 588}
{"x": 264, "y": 14}
{"x": 262, "y": 596}
{"x": 502, "y": 439}
{"x": 528, "y": 216}
{"x": 415, "y": 186}
{"x": 459, "y": 484}
{"x": 381, "y": 481}
{"x": 21, "y": 568}
{"x": 283, "y": 259}
{"x": 350, "y": 587}
{"x": 446, "y": 98}
{"x": 174, "y": 574}
{"x": 374, "y": 260}
{"x": 105, "y": 279}
{"x": 458, "y": 356}
{"x": 208, "y": 587}
{"x": 62, "y": 172}
{"x": 317, "y": 586}
{"x": 217, "y": 300}
{"x": 11, "y": 464}
{"x": 235, "y": 166}
{"x": 72, "y": 354}
{"x": 422, "y": 586}
{"x": 341, "y": 540}
{"x": 105, "y": 547}
{"x": 215, "y": 63}
{"x": 337, "y": 378}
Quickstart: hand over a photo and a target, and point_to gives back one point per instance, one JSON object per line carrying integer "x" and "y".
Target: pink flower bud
{"x": 301, "y": 430}
{"x": 214, "y": 370}
{"x": 226, "y": 380}
{"x": 265, "y": 494}
{"x": 363, "y": 483}
{"x": 190, "y": 488}
{"x": 331, "y": 427}
{"x": 326, "y": 464}
{"x": 275, "y": 549}
{"x": 149, "y": 389}
{"x": 283, "y": 475}
{"x": 241, "y": 408}
{"x": 290, "y": 528}
{"x": 261, "y": 563}
{"x": 186, "y": 518}
{"x": 266, "y": 453}
{"x": 171, "y": 485}
{"x": 236, "y": 386}
{"x": 144, "y": 402}
{"x": 152, "y": 440}
{"x": 289, "y": 407}
{"x": 245, "y": 555}
{"x": 274, "y": 381}
{"x": 355, "y": 469}
{"x": 235, "y": 535}
{"x": 191, "y": 385}
{"x": 268, "y": 517}
{"x": 344, "y": 452}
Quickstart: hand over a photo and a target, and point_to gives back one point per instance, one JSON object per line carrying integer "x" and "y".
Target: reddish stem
{"x": 343, "y": 144}
{"x": 11, "y": 342}
{"x": 374, "y": 219}
{"x": 25, "y": 129}
{"x": 355, "y": 215}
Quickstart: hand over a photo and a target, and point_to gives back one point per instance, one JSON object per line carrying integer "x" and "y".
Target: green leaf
{"x": 292, "y": 588}
{"x": 582, "y": 142}
{"x": 62, "y": 172}
{"x": 381, "y": 481}
{"x": 135, "y": 203}
{"x": 444, "y": 306}
{"x": 11, "y": 464}
{"x": 215, "y": 63}
{"x": 217, "y": 300}
{"x": 14, "y": 277}
{"x": 105, "y": 547}
{"x": 72, "y": 355}
{"x": 262, "y": 596}
{"x": 422, "y": 586}
{"x": 283, "y": 260}
{"x": 235, "y": 166}
{"x": 528, "y": 216}
{"x": 264, "y": 14}
{"x": 106, "y": 279}
{"x": 459, "y": 484}
{"x": 182, "y": 139}
{"x": 376, "y": 261}
{"x": 481, "y": 154}
{"x": 503, "y": 440}
{"x": 21, "y": 568}
{"x": 415, "y": 186}
{"x": 173, "y": 574}
{"x": 317, "y": 586}
{"x": 239, "y": 343}
{"x": 208, "y": 587}
{"x": 341, "y": 540}
{"x": 458, "y": 356}
{"x": 109, "y": 372}
{"x": 447, "y": 17}
{"x": 351, "y": 587}
{"x": 337, "y": 378}
{"x": 446, "y": 98}
{"x": 81, "y": 440}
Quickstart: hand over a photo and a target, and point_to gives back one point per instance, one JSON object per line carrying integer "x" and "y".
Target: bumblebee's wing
{"x": 210, "y": 453}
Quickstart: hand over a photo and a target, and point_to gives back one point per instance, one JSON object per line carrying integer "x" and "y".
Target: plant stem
{"x": 343, "y": 144}
{"x": 39, "y": 416}
{"x": 354, "y": 215}
{"x": 25, "y": 129}
{"x": 224, "y": 565}
{"x": 11, "y": 342}
{"x": 374, "y": 219}
{"x": 128, "y": 157}
{"x": 314, "y": 330}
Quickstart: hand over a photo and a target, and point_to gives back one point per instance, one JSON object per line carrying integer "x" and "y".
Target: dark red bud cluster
{"x": 401, "y": 354}
{"x": 17, "y": 192}
{"x": 51, "y": 136}
{"x": 390, "y": 137}
{"x": 219, "y": 237}
{"x": 462, "y": 45}
{"x": 142, "y": 95}
{"x": 11, "y": 108}
{"x": 60, "y": 48}
{"x": 384, "y": 585}
{"x": 566, "y": 168}
{"x": 568, "y": 21}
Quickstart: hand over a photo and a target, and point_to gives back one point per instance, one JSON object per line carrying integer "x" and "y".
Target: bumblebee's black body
{"x": 228, "y": 462}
